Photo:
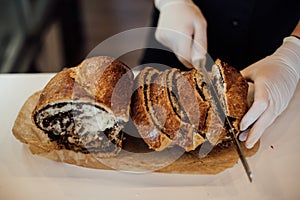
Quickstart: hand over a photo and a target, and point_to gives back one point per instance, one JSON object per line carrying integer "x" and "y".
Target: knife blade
{"x": 232, "y": 133}
{"x": 222, "y": 113}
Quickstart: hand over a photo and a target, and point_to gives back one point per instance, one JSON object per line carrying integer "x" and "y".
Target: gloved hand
{"x": 275, "y": 79}
{"x": 182, "y": 28}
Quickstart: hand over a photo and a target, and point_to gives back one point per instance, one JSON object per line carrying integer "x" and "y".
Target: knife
{"x": 231, "y": 130}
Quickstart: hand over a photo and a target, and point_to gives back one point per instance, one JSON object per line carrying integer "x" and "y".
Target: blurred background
{"x": 39, "y": 36}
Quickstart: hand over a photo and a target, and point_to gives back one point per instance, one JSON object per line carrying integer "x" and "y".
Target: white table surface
{"x": 26, "y": 176}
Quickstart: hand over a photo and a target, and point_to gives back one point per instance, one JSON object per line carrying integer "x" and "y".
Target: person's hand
{"x": 275, "y": 79}
{"x": 182, "y": 28}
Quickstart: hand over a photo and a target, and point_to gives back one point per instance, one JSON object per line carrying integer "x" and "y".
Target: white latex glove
{"x": 275, "y": 79}
{"x": 182, "y": 28}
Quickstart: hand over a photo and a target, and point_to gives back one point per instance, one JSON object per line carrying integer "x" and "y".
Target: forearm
{"x": 290, "y": 50}
{"x": 296, "y": 31}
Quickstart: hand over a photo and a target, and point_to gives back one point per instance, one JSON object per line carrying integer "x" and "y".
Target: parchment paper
{"x": 134, "y": 157}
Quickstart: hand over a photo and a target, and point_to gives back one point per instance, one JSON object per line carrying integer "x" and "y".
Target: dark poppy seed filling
{"x": 81, "y": 127}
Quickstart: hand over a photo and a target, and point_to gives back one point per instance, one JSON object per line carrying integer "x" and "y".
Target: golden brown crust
{"x": 181, "y": 107}
{"x": 68, "y": 82}
{"x": 59, "y": 88}
{"x": 99, "y": 78}
{"x": 112, "y": 82}
{"x": 152, "y": 135}
{"x": 107, "y": 83}
{"x": 107, "y": 80}
{"x": 180, "y": 132}
{"x": 236, "y": 91}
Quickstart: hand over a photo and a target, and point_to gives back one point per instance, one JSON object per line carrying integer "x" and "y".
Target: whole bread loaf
{"x": 84, "y": 108}
{"x": 80, "y": 115}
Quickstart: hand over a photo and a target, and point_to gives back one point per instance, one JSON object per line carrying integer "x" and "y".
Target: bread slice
{"x": 232, "y": 89}
{"x": 213, "y": 126}
{"x": 84, "y": 108}
{"x": 164, "y": 116}
{"x": 181, "y": 109}
{"x": 194, "y": 99}
{"x": 160, "y": 108}
{"x": 140, "y": 112}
